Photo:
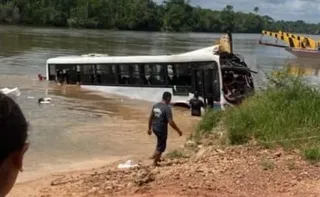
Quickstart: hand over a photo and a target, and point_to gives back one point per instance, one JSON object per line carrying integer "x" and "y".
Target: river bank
{"x": 225, "y": 156}
{"x": 210, "y": 171}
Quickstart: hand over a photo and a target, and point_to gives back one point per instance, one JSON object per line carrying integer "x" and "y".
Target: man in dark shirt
{"x": 160, "y": 116}
{"x": 196, "y": 104}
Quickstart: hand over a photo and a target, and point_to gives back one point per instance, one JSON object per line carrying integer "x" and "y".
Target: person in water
{"x": 196, "y": 104}
{"x": 160, "y": 116}
{"x": 13, "y": 136}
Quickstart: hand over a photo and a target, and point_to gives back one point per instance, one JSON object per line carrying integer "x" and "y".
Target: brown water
{"x": 80, "y": 129}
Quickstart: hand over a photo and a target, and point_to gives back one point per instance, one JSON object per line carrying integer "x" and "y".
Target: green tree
{"x": 172, "y": 15}
{"x": 227, "y": 17}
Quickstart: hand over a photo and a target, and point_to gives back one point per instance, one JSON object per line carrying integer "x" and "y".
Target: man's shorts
{"x": 161, "y": 140}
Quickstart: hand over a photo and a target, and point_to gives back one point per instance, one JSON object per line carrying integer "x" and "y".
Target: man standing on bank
{"x": 160, "y": 116}
{"x": 196, "y": 104}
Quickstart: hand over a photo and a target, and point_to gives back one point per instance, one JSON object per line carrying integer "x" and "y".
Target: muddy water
{"x": 81, "y": 129}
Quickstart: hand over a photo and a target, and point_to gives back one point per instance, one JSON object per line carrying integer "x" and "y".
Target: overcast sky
{"x": 307, "y": 10}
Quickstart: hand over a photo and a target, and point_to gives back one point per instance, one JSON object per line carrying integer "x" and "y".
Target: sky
{"x": 307, "y": 10}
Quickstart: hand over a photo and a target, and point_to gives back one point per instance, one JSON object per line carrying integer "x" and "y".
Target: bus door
{"x": 205, "y": 83}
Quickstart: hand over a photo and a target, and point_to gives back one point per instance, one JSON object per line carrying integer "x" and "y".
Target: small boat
{"x": 298, "y": 45}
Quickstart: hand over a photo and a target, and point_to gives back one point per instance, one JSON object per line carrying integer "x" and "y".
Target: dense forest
{"x": 172, "y": 15}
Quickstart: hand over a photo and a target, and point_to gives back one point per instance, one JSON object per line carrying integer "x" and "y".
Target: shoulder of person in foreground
{"x": 13, "y": 136}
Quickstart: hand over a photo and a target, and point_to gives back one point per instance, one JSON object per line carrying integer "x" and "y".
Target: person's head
{"x": 13, "y": 136}
{"x": 166, "y": 97}
{"x": 196, "y": 94}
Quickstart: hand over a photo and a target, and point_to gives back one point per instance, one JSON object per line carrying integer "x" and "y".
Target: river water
{"x": 81, "y": 129}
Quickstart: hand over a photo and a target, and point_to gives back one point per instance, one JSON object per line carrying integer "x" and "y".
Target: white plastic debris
{"x": 14, "y": 91}
{"x": 128, "y": 164}
{"x": 46, "y": 100}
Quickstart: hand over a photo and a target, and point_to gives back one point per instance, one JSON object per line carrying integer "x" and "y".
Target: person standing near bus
{"x": 196, "y": 104}
{"x": 160, "y": 116}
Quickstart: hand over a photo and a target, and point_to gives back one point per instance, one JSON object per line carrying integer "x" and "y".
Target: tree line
{"x": 143, "y": 15}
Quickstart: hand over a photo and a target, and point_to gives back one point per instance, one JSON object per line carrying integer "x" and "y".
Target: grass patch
{"x": 209, "y": 121}
{"x": 176, "y": 155}
{"x": 286, "y": 113}
{"x": 312, "y": 154}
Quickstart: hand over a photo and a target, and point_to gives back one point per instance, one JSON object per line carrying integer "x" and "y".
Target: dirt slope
{"x": 231, "y": 172}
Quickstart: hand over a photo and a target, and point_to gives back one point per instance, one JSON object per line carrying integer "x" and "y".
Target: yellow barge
{"x": 298, "y": 45}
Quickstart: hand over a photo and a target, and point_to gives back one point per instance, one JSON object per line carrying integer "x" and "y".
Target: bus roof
{"x": 201, "y": 55}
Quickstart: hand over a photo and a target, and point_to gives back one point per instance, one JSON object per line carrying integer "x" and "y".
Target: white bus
{"x": 147, "y": 77}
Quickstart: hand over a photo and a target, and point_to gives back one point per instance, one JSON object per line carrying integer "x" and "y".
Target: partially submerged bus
{"x": 219, "y": 77}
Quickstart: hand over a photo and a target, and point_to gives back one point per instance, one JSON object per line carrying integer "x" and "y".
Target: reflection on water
{"x": 303, "y": 71}
{"x": 304, "y": 67}
{"x": 309, "y": 69}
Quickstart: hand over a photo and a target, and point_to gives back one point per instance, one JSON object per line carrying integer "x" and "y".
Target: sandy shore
{"x": 207, "y": 172}
{"x": 39, "y": 186}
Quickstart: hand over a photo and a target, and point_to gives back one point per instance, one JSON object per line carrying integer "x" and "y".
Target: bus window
{"x": 87, "y": 74}
{"x": 98, "y": 74}
{"x": 78, "y": 74}
{"x": 147, "y": 74}
{"x": 87, "y": 69}
{"x": 108, "y": 74}
{"x": 182, "y": 74}
{"x": 159, "y": 74}
{"x": 170, "y": 74}
{"x": 72, "y": 75}
{"x": 154, "y": 74}
{"x": 135, "y": 74}
{"x": 124, "y": 74}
